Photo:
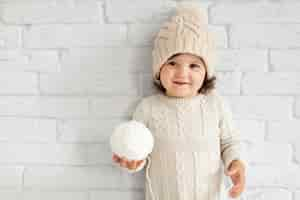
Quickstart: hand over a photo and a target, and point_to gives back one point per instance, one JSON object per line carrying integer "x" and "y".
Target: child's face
{"x": 183, "y": 75}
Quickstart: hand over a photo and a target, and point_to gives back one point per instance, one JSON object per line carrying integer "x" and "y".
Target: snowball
{"x": 132, "y": 139}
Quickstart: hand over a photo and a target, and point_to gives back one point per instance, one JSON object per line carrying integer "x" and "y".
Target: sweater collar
{"x": 179, "y": 102}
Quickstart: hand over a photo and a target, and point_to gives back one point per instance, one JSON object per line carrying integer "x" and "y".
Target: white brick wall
{"x": 73, "y": 69}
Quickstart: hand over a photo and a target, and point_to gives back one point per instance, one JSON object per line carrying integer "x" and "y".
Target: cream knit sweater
{"x": 194, "y": 139}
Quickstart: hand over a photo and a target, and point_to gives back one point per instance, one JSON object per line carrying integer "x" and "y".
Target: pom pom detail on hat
{"x": 193, "y": 13}
{"x": 186, "y": 32}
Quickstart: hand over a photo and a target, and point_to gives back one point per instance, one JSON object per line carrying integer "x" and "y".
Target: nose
{"x": 182, "y": 71}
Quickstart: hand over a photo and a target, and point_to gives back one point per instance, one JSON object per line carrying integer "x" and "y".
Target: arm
{"x": 229, "y": 134}
{"x": 140, "y": 114}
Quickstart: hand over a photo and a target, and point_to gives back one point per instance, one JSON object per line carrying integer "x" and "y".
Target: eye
{"x": 172, "y": 63}
{"x": 195, "y": 66}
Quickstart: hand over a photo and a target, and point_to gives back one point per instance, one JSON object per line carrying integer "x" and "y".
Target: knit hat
{"x": 186, "y": 32}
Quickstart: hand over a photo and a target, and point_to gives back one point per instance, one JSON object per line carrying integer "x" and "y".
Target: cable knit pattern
{"x": 194, "y": 138}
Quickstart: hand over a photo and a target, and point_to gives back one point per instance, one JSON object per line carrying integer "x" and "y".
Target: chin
{"x": 181, "y": 94}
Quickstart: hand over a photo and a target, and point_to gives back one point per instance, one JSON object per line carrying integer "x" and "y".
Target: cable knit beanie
{"x": 186, "y": 32}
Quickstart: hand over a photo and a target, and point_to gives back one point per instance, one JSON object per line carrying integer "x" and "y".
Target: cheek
{"x": 164, "y": 78}
{"x": 199, "y": 77}
{"x": 166, "y": 74}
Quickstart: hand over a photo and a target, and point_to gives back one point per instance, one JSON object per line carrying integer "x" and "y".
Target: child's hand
{"x": 236, "y": 171}
{"x": 133, "y": 164}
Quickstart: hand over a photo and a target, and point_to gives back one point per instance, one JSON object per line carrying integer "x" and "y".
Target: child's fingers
{"x": 238, "y": 187}
{"x": 123, "y": 162}
{"x": 132, "y": 164}
{"x": 116, "y": 158}
{"x": 235, "y": 191}
{"x": 239, "y": 180}
{"x": 127, "y": 163}
{"x": 234, "y": 194}
{"x": 237, "y": 183}
{"x": 139, "y": 162}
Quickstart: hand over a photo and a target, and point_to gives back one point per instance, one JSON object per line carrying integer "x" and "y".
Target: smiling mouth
{"x": 180, "y": 83}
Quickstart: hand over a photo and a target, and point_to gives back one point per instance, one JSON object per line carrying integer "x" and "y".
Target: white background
{"x": 73, "y": 69}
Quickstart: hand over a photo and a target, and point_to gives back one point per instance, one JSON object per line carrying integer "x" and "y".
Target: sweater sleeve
{"x": 140, "y": 114}
{"x": 141, "y": 111}
{"x": 230, "y": 142}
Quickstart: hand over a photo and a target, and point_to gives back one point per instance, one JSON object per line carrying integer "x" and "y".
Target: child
{"x": 191, "y": 123}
